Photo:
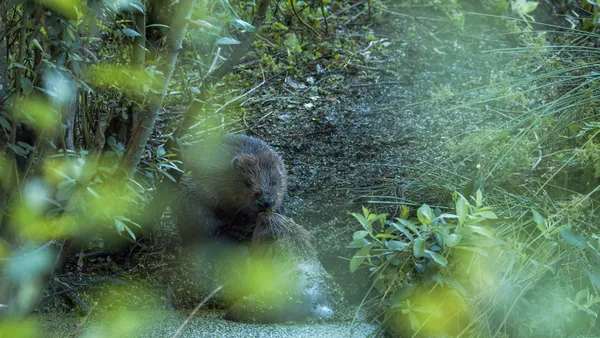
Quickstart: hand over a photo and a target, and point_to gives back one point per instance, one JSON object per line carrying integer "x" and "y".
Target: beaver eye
{"x": 247, "y": 184}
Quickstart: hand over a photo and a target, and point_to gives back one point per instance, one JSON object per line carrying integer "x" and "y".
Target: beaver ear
{"x": 235, "y": 163}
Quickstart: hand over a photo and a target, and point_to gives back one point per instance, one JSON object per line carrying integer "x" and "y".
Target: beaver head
{"x": 261, "y": 179}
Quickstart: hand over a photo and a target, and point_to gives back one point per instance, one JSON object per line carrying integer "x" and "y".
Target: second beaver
{"x": 231, "y": 181}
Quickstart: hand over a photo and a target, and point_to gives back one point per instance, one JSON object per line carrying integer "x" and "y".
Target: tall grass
{"x": 537, "y": 157}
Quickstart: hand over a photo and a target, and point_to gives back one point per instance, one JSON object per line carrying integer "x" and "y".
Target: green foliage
{"x": 410, "y": 255}
{"x": 537, "y": 152}
{"x": 498, "y": 146}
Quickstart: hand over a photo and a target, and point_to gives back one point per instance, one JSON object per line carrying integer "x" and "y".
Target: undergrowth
{"x": 536, "y": 160}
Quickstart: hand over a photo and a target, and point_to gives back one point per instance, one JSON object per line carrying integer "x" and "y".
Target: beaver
{"x": 231, "y": 181}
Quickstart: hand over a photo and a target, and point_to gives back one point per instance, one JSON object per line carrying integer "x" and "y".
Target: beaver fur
{"x": 230, "y": 182}
{"x": 279, "y": 235}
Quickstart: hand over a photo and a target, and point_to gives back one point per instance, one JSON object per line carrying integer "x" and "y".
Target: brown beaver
{"x": 230, "y": 183}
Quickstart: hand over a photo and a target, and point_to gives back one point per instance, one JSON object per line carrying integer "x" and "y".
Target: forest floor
{"x": 352, "y": 136}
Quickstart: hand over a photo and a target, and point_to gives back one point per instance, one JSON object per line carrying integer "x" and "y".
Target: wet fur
{"x": 275, "y": 234}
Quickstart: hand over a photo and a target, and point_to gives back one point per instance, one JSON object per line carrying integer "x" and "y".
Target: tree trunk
{"x": 144, "y": 128}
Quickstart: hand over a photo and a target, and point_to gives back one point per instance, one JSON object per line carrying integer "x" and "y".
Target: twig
{"x": 196, "y": 310}
{"x": 324, "y": 18}
{"x": 234, "y": 100}
{"x": 83, "y": 320}
{"x": 539, "y": 160}
{"x": 372, "y": 84}
{"x": 300, "y": 19}
{"x": 214, "y": 63}
{"x": 345, "y": 10}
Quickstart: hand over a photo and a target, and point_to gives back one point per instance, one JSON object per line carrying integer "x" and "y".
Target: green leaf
{"x": 292, "y": 43}
{"x": 482, "y": 231}
{"x": 386, "y": 236}
{"x": 396, "y": 245}
{"x": 402, "y": 294}
{"x": 120, "y": 225}
{"x": 360, "y": 234}
{"x": 419, "y": 248}
{"x": 455, "y": 284}
{"x": 425, "y": 215}
{"x": 404, "y": 231}
{"x": 53, "y": 212}
{"x": 131, "y": 33}
{"x": 160, "y": 25}
{"x": 410, "y": 225}
{"x": 358, "y": 243}
{"x": 453, "y": 240}
{"x": 130, "y": 232}
{"x": 18, "y": 65}
{"x": 4, "y": 123}
{"x": 573, "y": 238}
{"x": 248, "y": 27}
{"x": 26, "y": 85}
{"x": 581, "y": 295}
{"x": 169, "y": 176}
{"x": 415, "y": 325}
{"x": 19, "y": 151}
{"x": 363, "y": 221}
{"x": 404, "y": 211}
{"x": 227, "y": 41}
{"x": 462, "y": 207}
{"x": 594, "y": 275}
{"x": 486, "y": 214}
{"x": 25, "y": 146}
{"x": 36, "y": 43}
{"x": 529, "y": 6}
{"x": 441, "y": 260}
{"x": 359, "y": 258}
{"x": 65, "y": 190}
{"x": 447, "y": 216}
{"x": 138, "y": 5}
{"x": 539, "y": 220}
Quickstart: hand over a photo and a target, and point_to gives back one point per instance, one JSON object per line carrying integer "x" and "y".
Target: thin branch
{"x": 83, "y": 321}
{"x": 324, "y": 18}
{"x": 300, "y": 19}
{"x": 235, "y": 99}
{"x": 178, "y": 332}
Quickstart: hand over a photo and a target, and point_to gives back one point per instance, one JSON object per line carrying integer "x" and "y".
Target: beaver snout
{"x": 265, "y": 202}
